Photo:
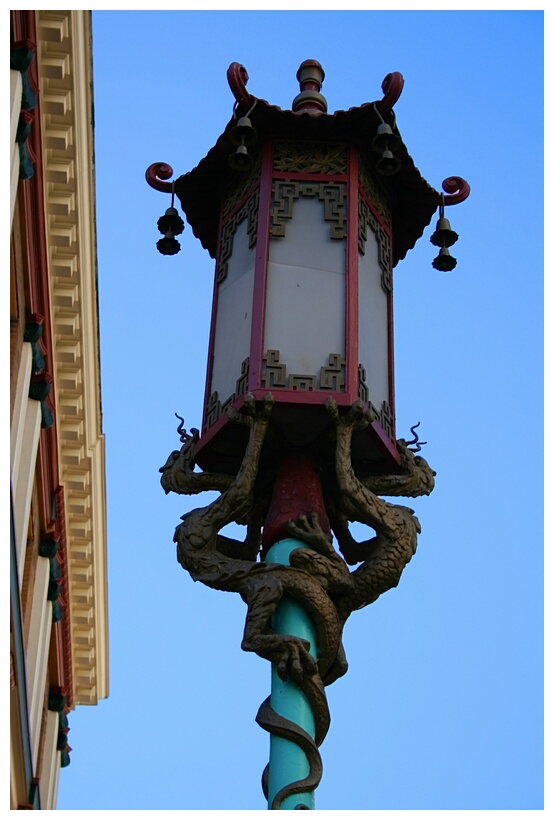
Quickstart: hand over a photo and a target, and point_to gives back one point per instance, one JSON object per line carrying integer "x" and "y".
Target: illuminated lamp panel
{"x": 234, "y": 315}
{"x": 373, "y": 325}
{"x": 305, "y": 264}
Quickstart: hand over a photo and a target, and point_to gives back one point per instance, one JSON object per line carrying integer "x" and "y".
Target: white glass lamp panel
{"x": 233, "y": 324}
{"x": 305, "y": 297}
{"x": 373, "y": 337}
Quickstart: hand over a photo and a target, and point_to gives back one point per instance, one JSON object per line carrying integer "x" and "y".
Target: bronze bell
{"x": 444, "y": 236}
{"x": 171, "y": 225}
{"x": 244, "y": 133}
{"x": 385, "y": 139}
{"x": 171, "y": 222}
{"x": 444, "y": 262}
{"x": 241, "y": 159}
{"x": 168, "y": 245}
{"x": 388, "y": 165}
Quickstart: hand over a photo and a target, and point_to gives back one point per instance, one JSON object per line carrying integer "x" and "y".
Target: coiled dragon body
{"x": 318, "y": 577}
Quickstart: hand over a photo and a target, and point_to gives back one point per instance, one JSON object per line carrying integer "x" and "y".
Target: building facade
{"x": 58, "y": 624}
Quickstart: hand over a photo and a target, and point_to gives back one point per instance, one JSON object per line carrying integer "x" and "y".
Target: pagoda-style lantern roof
{"x": 410, "y": 197}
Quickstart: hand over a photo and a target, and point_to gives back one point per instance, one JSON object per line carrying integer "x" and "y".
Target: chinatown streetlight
{"x": 306, "y": 214}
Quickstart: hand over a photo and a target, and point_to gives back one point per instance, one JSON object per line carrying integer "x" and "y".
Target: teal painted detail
{"x": 287, "y": 761}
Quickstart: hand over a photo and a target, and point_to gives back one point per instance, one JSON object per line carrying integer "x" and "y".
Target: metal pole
{"x": 287, "y": 761}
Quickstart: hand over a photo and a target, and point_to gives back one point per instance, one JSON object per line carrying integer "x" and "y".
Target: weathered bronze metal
{"x": 318, "y": 577}
{"x": 444, "y": 261}
{"x": 444, "y": 236}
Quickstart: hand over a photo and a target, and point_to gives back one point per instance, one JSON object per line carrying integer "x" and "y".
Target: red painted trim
{"x": 301, "y": 176}
{"x": 388, "y": 446}
{"x": 283, "y": 396}
{"x": 225, "y": 219}
{"x": 378, "y": 216}
{"x": 351, "y": 283}
{"x": 208, "y": 435}
{"x": 62, "y": 629}
{"x": 309, "y": 397}
{"x": 47, "y": 467}
{"x": 209, "y": 365}
{"x": 387, "y": 227}
{"x": 392, "y": 402}
{"x": 211, "y": 343}
{"x": 260, "y": 271}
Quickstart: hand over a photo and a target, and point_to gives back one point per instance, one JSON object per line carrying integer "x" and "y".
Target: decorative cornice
{"x": 64, "y": 63}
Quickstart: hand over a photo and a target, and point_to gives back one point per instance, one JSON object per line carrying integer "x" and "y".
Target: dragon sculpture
{"x": 318, "y": 577}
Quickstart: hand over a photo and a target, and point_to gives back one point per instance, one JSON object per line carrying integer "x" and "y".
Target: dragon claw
{"x": 250, "y": 412}
{"x": 250, "y": 404}
{"x": 267, "y": 406}
{"x": 332, "y": 408}
{"x": 294, "y": 660}
{"x": 307, "y": 528}
{"x": 359, "y": 415}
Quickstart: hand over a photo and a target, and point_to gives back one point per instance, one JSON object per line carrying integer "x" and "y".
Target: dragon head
{"x": 417, "y": 467}
{"x": 180, "y": 461}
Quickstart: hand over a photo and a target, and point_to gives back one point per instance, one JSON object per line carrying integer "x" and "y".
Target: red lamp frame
{"x": 378, "y": 444}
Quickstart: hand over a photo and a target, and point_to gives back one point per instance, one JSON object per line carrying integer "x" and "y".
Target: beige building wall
{"x": 58, "y": 645}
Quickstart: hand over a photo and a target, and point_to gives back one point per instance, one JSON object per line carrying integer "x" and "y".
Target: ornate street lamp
{"x": 306, "y": 214}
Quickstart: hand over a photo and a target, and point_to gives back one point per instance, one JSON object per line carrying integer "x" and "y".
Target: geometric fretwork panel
{"x": 367, "y": 220}
{"x": 332, "y": 195}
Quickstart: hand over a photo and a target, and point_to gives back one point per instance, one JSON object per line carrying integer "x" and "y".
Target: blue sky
{"x": 442, "y": 705}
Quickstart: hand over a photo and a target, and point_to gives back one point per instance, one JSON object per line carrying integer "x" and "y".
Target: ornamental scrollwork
{"x": 456, "y": 189}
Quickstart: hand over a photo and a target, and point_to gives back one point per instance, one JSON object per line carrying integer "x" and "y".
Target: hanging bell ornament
{"x": 171, "y": 222}
{"x": 388, "y": 165}
{"x": 244, "y": 133}
{"x": 444, "y": 262}
{"x": 168, "y": 246}
{"x": 241, "y": 159}
{"x": 171, "y": 225}
{"x": 444, "y": 236}
{"x": 385, "y": 139}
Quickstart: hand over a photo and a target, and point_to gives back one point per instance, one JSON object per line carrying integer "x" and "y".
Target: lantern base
{"x": 222, "y": 446}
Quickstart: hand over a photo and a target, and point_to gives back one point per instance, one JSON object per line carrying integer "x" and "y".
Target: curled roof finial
{"x": 392, "y": 87}
{"x": 456, "y": 188}
{"x": 156, "y": 173}
{"x": 237, "y": 77}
